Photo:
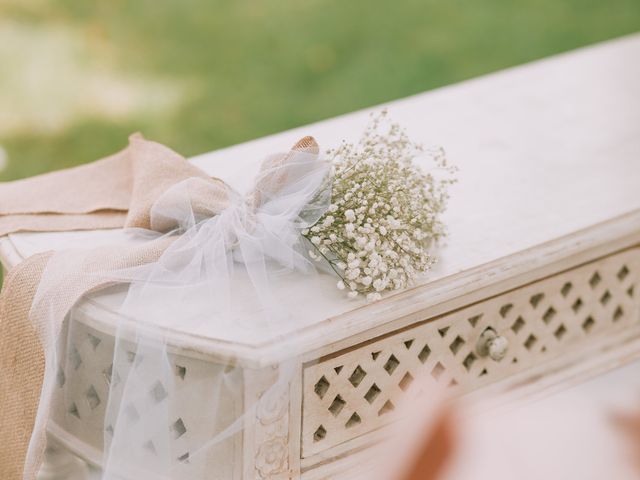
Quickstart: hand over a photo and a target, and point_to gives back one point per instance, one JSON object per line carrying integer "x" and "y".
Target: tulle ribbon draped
{"x": 191, "y": 241}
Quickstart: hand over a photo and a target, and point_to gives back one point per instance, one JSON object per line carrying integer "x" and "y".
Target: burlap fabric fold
{"x": 118, "y": 191}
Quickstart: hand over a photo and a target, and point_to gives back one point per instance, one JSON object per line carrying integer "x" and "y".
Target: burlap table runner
{"x": 116, "y": 191}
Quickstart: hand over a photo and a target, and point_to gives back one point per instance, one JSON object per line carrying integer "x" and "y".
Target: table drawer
{"x": 355, "y": 391}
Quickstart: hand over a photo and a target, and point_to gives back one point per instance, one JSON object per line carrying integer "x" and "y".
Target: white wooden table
{"x": 547, "y": 207}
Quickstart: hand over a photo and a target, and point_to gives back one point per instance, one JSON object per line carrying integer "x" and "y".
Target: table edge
{"x": 395, "y": 311}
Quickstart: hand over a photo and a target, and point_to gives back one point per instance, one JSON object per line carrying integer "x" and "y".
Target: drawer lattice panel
{"x": 355, "y": 392}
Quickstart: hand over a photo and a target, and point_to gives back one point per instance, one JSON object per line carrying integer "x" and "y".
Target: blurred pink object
{"x": 565, "y": 435}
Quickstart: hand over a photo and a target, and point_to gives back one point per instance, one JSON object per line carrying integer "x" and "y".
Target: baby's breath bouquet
{"x": 385, "y": 211}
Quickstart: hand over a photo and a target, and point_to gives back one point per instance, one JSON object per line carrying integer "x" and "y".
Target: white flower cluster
{"x": 384, "y": 213}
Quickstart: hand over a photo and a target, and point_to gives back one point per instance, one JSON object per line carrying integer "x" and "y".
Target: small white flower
{"x": 352, "y": 274}
{"x": 372, "y": 297}
{"x": 354, "y": 263}
{"x": 349, "y": 215}
{"x": 340, "y": 285}
{"x": 328, "y": 221}
{"x": 379, "y": 284}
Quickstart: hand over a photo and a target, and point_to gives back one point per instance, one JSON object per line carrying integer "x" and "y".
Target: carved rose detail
{"x": 272, "y": 457}
{"x": 273, "y": 405}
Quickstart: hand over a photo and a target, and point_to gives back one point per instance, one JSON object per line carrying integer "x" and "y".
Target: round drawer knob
{"x": 498, "y": 348}
{"x": 493, "y": 345}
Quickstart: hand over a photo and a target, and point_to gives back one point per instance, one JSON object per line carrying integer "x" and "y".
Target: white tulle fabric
{"x": 215, "y": 263}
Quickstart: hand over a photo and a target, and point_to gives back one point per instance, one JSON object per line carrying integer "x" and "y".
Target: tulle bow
{"x": 198, "y": 253}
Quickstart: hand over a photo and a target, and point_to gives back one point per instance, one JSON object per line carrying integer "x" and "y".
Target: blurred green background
{"x": 77, "y": 76}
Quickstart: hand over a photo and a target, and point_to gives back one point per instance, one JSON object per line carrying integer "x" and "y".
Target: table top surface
{"x": 544, "y": 150}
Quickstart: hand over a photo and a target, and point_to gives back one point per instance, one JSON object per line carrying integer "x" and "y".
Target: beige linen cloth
{"x": 117, "y": 191}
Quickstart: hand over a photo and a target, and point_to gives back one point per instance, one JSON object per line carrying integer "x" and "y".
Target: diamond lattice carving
{"x": 87, "y": 372}
{"x": 355, "y": 392}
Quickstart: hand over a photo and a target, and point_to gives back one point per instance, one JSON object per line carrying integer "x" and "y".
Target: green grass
{"x": 247, "y": 68}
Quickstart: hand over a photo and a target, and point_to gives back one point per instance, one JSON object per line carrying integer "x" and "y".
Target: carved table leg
{"x": 271, "y": 449}
{"x": 60, "y": 464}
